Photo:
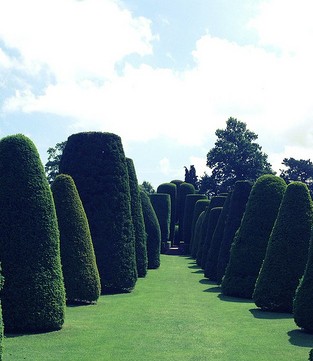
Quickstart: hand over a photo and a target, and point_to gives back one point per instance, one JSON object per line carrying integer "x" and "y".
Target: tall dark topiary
{"x": 287, "y": 251}
{"x": 210, "y": 267}
{"x": 161, "y": 203}
{"x": 249, "y": 247}
{"x": 171, "y": 189}
{"x": 197, "y": 234}
{"x": 182, "y": 191}
{"x": 138, "y": 221}
{"x": 303, "y": 305}
{"x": 97, "y": 163}
{"x": 190, "y": 203}
{"x": 153, "y": 232}
{"x": 80, "y": 271}
{"x": 33, "y": 296}
{"x": 238, "y": 201}
{"x": 1, "y": 320}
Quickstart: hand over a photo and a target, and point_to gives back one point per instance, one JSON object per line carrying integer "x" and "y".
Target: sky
{"x": 164, "y": 75}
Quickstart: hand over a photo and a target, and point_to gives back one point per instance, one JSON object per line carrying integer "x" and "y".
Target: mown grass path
{"x": 173, "y": 314}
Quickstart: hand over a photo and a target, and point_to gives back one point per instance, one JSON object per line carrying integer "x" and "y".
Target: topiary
{"x": 177, "y": 182}
{"x": 287, "y": 251}
{"x": 237, "y": 206}
{"x": 33, "y": 296}
{"x": 97, "y": 163}
{"x": 311, "y": 355}
{"x": 210, "y": 266}
{"x": 153, "y": 232}
{"x": 161, "y": 203}
{"x": 182, "y": 191}
{"x": 197, "y": 234}
{"x": 81, "y": 276}
{"x": 1, "y": 320}
{"x": 138, "y": 221}
{"x": 249, "y": 246}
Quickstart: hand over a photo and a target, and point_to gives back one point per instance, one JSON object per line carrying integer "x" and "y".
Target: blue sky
{"x": 164, "y": 75}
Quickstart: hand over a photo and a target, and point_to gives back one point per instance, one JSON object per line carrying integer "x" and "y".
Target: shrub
{"x": 249, "y": 246}
{"x": 1, "y": 320}
{"x": 287, "y": 251}
{"x": 237, "y": 208}
{"x": 97, "y": 163}
{"x": 303, "y": 305}
{"x": 183, "y": 190}
{"x": 170, "y": 188}
{"x": 153, "y": 232}
{"x": 161, "y": 203}
{"x": 33, "y": 296}
{"x": 210, "y": 265}
{"x": 80, "y": 271}
{"x": 138, "y": 221}
{"x": 191, "y": 200}
{"x": 311, "y": 355}
{"x": 197, "y": 234}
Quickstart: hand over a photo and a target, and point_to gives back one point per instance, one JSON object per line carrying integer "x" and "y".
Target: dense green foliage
{"x": 190, "y": 203}
{"x": 249, "y": 246}
{"x": 147, "y": 187}
{"x": 1, "y": 320}
{"x": 153, "y": 231}
{"x": 236, "y": 156}
{"x": 33, "y": 296}
{"x": 199, "y": 207}
{"x": 237, "y": 206}
{"x": 197, "y": 234}
{"x": 97, "y": 163}
{"x": 183, "y": 190}
{"x": 311, "y": 355}
{"x": 210, "y": 265}
{"x": 80, "y": 271}
{"x": 287, "y": 251}
{"x": 161, "y": 203}
{"x": 191, "y": 176}
{"x": 303, "y": 305}
{"x": 54, "y": 157}
{"x": 138, "y": 221}
{"x": 171, "y": 189}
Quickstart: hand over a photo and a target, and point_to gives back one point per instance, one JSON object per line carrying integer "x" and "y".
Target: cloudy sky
{"x": 162, "y": 74}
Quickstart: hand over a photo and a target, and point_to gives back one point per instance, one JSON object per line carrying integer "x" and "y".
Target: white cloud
{"x": 164, "y": 165}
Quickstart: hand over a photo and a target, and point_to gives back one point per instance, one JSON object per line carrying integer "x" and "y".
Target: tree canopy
{"x": 191, "y": 176}
{"x": 54, "y": 157}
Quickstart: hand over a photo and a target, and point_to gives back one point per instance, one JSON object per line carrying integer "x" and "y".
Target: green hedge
{"x": 1, "y": 320}
{"x": 153, "y": 232}
{"x": 138, "y": 221}
{"x": 197, "y": 234}
{"x": 33, "y": 296}
{"x": 80, "y": 271}
{"x": 237, "y": 208}
{"x": 97, "y": 163}
{"x": 287, "y": 251}
{"x": 249, "y": 246}
{"x": 183, "y": 190}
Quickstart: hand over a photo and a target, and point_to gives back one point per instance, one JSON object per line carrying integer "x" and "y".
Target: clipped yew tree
{"x": 153, "y": 232}
{"x": 249, "y": 246}
{"x": 302, "y": 304}
{"x": 33, "y": 295}
{"x": 197, "y": 234}
{"x": 161, "y": 203}
{"x": 97, "y": 163}
{"x": 287, "y": 251}
{"x": 237, "y": 206}
{"x": 80, "y": 271}
{"x": 138, "y": 221}
{"x": 210, "y": 266}
{"x": 199, "y": 207}
{"x": 182, "y": 191}
{"x": 1, "y": 321}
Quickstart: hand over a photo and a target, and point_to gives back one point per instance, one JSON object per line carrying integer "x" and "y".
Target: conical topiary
{"x": 249, "y": 247}
{"x": 182, "y": 191}
{"x": 197, "y": 234}
{"x": 1, "y": 321}
{"x": 97, "y": 163}
{"x": 153, "y": 232}
{"x": 161, "y": 203}
{"x": 177, "y": 182}
{"x": 238, "y": 201}
{"x": 80, "y": 271}
{"x": 33, "y": 296}
{"x": 302, "y": 304}
{"x": 287, "y": 251}
{"x": 138, "y": 221}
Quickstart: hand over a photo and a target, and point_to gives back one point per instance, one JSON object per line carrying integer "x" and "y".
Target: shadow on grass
{"x": 216, "y": 289}
{"x": 300, "y": 338}
{"x": 206, "y": 281}
{"x": 268, "y": 315}
{"x": 234, "y": 299}
{"x": 199, "y": 271}
{"x": 21, "y": 334}
{"x": 194, "y": 266}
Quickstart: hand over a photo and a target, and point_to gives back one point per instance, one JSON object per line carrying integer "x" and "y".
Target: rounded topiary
{"x": 153, "y": 232}
{"x": 33, "y": 296}
{"x": 97, "y": 163}
{"x": 161, "y": 203}
{"x": 216, "y": 201}
{"x": 249, "y": 247}
{"x": 237, "y": 206}
{"x": 287, "y": 251}
{"x": 171, "y": 189}
{"x": 197, "y": 234}
{"x": 302, "y": 304}
{"x": 183, "y": 190}
{"x": 80, "y": 271}
{"x": 138, "y": 221}
{"x": 1, "y": 320}
{"x": 190, "y": 202}
{"x": 210, "y": 267}
{"x": 177, "y": 182}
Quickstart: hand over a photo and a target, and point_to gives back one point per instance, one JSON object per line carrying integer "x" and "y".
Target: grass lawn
{"x": 173, "y": 314}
